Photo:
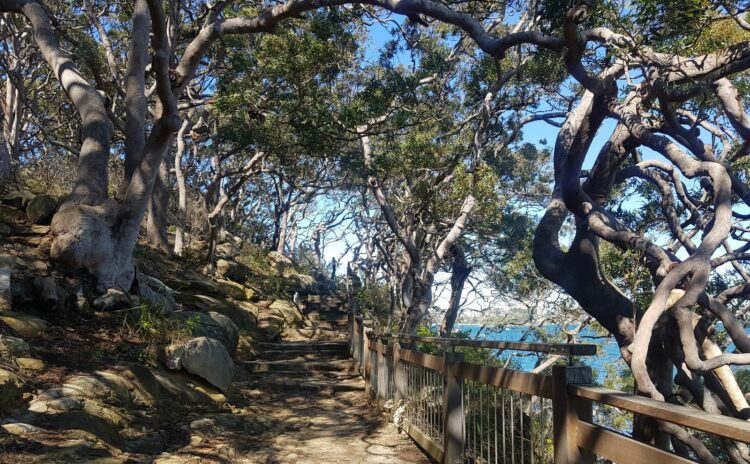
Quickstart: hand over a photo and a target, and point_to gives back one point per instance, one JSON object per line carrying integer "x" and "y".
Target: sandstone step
{"x": 297, "y": 365}
{"x": 325, "y": 300}
{"x": 325, "y": 312}
{"x": 316, "y": 332}
{"x": 323, "y": 387}
{"x": 304, "y": 346}
{"x": 329, "y": 317}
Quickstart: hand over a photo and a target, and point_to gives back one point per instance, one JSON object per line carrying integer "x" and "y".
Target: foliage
{"x": 150, "y": 328}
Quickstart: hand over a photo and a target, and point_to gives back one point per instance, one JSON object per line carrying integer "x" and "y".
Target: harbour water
{"x": 608, "y": 353}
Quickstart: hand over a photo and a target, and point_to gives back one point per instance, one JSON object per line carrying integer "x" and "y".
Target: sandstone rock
{"x": 251, "y": 294}
{"x": 271, "y": 326}
{"x": 231, "y": 270}
{"x": 61, "y": 404}
{"x": 154, "y": 292}
{"x": 302, "y": 283}
{"x": 39, "y": 266}
{"x": 25, "y": 325}
{"x": 40, "y": 209}
{"x": 115, "y": 299}
{"x": 168, "y": 458}
{"x": 278, "y": 260}
{"x": 18, "y": 198}
{"x": 243, "y": 319}
{"x": 40, "y": 229}
{"x": 210, "y": 324}
{"x": 205, "y": 357}
{"x": 21, "y": 429}
{"x": 12, "y": 348}
{"x": 5, "y": 229}
{"x": 12, "y": 387}
{"x": 48, "y": 292}
{"x": 227, "y": 250}
{"x": 30, "y": 364}
{"x": 234, "y": 290}
{"x": 6, "y": 268}
{"x": 82, "y": 301}
{"x": 287, "y": 310}
{"x": 94, "y": 386}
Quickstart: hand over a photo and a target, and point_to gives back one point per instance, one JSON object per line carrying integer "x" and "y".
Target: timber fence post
{"x": 399, "y": 373}
{"x": 567, "y": 411}
{"x": 453, "y": 410}
{"x": 366, "y": 359}
{"x": 382, "y": 357}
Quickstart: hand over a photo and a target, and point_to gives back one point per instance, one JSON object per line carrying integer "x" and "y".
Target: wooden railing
{"x": 461, "y": 412}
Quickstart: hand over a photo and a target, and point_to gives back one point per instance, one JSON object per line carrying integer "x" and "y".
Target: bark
{"x": 6, "y": 166}
{"x": 179, "y": 238}
{"x": 158, "y": 207}
{"x": 135, "y": 96}
{"x": 460, "y": 272}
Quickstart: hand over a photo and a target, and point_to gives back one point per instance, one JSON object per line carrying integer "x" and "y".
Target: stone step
{"x": 304, "y": 346}
{"x": 329, "y": 317}
{"x": 310, "y": 357}
{"x": 324, "y": 312}
{"x": 306, "y": 376}
{"x": 317, "y": 332}
{"x": 325, "y": 300}
{"x": 330, "y": 327}
{"x": 297, "y": 365}
{"x": 322, "y": 387}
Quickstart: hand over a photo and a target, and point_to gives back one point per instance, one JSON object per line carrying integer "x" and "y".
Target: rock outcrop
{"x": 205, "y": 357}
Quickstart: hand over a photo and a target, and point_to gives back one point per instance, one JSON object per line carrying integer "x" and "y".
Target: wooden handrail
{"x": 524, "y": 382}
{"x": 727, "y": 427}
{"x": 576, "y": 437}
{"x": 567, "y": 349}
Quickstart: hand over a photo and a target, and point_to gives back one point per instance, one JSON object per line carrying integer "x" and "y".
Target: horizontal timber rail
{"x": 568, "y": 349}
{"x": 460, "y": 412}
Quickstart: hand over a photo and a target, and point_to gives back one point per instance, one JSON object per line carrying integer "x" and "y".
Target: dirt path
{"x": 311, "y": 404}
{"x": 319, "y": 428}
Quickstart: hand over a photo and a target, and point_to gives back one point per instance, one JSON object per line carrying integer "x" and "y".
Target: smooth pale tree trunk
{"x": 283, "y": 226}
{"x": 179, "y": 238}
{"x": 158, "y": 207}
{"x": 6, "y": 166}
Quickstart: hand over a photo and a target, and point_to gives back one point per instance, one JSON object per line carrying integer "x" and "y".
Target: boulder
{"x": 287, "y": 310}
{"x": 48, "y": 292}
{"x": 40, "y": 209}
{"x": 227, "y": 250}
{"x": 155, "y": 293}
{"x": 12, "y": 348}
{"x": 234, "y": 290}
{"x": 191, "y": 283}
{"x": 12, "y": 388}
{"x": 30, "y": 364}
{"x": 18, "y": 198}
{"x": 203, "y": 356}
{"x": 209, "y": 324}
{"x": 24, "y": 325}
{"x": 231, "y": 270}
{"x": 5, "y": 229}
{"x": 244, "y": 319}
{"x": 6, "y": 268}
{"x": 114, "y": 300}
{"x": 278, "y": 260}
{"x": 302, "y": 283}
{"x": 271, "y": 326}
